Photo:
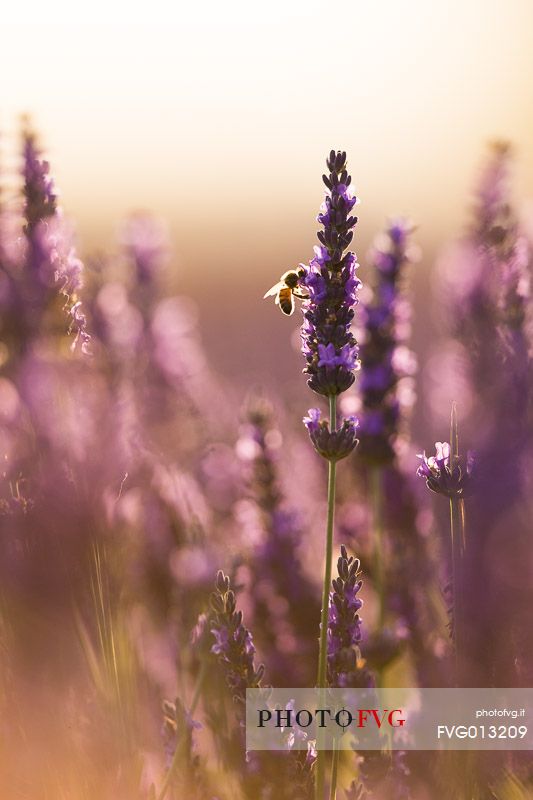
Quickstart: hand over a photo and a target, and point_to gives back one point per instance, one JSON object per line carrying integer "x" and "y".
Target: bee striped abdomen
{"x": 285, "y": 299}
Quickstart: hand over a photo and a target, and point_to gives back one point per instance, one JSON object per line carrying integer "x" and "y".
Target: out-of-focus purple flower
{"x": 67, "y": 274}
{"x": 488, "y": 312}
{"x": 332, "y": 445}
{"x": 50, "y": 260}
{"x": 120, "y": 323}
{"x": 441, "y": 477}
{"x": 328, "y": 344}
{"x": 385, "y": 359}
{"x": 345, "y": 666}
{"x": 301, "y": 762}
{"x": 39, "y": 195}
{"x": 233, "y": 642}
{"x": 177, "y": 728}
{"x": 145, "y": 241}
{"x": 284, "y": 599}
{"x": 492, "y": 195}
{"x": 40, "y": 207}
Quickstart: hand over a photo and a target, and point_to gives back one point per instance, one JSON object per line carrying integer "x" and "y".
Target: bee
{"x": 287, "y": 289}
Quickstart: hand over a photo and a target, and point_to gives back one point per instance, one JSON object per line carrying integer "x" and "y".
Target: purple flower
{"x": 178, "y": 726}
{"x": 233, "y": 642}
{"x": 328, "y": 344}
{"x": 50, "y": 261}
{"x": 145, "y": 241}
{"x": 489, "y": 298}
{"x": 439, "y": 475}
{"x": 345, "y": 666}
{"x": 39, "y": 195}
{"x": 284, "y": 599}
{"x": 332, "y": 445}
{"x": 316, "y": 285}
{"x": 312, "y": 421}
{"x": 328, "y": 356}
{"x": 381, "y": 369}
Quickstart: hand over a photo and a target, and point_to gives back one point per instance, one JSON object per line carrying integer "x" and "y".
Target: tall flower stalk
{"x": 51, "y": 265}
{"x": 385, "y": 362}
{"x": 444, "y": 474}
{"x": 346, "y": 668}
{"x": 283, "y": 598}
{"x": 233, "y": 644}
{"x": 330, "y": 352}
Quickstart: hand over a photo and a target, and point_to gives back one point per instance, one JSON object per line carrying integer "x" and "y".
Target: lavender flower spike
{"x": 332, "y": 445}
{"x": 327, "y": 341}
{"x": 233, "y": 642}
{"x": 386, "y": 362}
{"x": 345, "y": 666}
{"x": 440, "y": 478}
{"x": 39, "y": 195}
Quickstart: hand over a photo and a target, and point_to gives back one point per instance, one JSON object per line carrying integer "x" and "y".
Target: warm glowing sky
{"x": 218, "y": 115}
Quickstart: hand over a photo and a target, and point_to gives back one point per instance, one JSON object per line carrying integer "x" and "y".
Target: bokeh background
{"x": 218, "y": 117}
{"x": 138, "y": 453}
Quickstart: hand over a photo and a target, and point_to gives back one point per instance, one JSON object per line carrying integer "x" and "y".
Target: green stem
{"x": 323, "y": 649}
{"x": 334, "y": 771}
{"x": 322, "y": 657}
{"x": 376, "y": 490}
{"x": 457, "y": 534}
{"x": 454, "y": 586}
{"x": 181, "y": 739}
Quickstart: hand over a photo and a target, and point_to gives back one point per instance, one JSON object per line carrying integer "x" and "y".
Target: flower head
{"x": 51, "y": 264}
{"x": 328, "y": 345}
{"x": 332, "y": 445}
{"x": 345, "y": 666}
{"x": 441, "y": 477}
{"x": 39, "y": 194}
{"x": 233, "y": 641}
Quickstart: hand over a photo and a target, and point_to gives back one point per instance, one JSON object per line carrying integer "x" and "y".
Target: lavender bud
{"x": 345, "y": 666}
{"x": 233, "y": 642}
{"x": 222, "y": 582}
{"x": 441, "y": 477}
{"x": 333, "y": 445}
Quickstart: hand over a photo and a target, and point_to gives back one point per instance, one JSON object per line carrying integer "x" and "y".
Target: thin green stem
{"x": 322, "y": 660}
{"x": 199, "y": 686}
{"x": 456, "y": 572}
{"x": 322, "y": 653}
{"x": 376, "y": 491}
{"x": 457, "y": 534}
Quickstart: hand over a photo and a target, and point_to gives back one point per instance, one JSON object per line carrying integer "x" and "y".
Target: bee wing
{"x": 274, "y": 290}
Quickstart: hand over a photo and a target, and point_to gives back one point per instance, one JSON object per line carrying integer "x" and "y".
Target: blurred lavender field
{"x": 135, "y": 470}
